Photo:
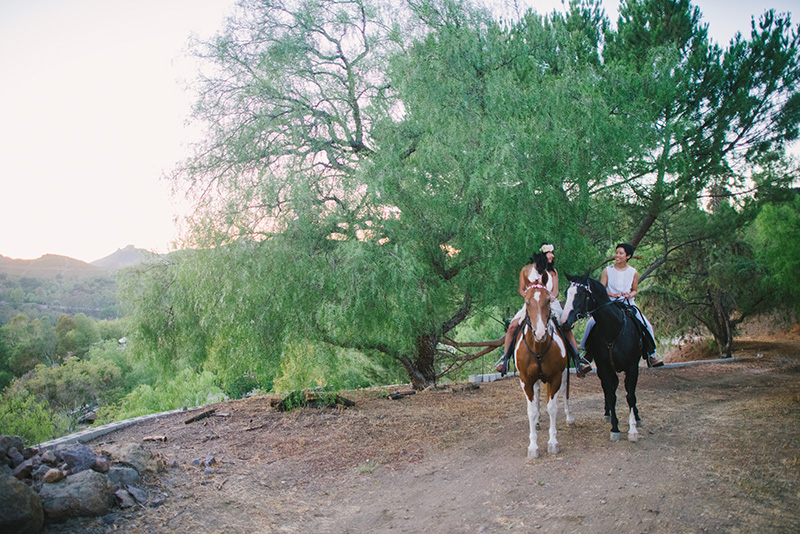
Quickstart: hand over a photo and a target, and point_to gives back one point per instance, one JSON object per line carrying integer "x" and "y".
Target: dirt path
{"x": 719, "y": 452}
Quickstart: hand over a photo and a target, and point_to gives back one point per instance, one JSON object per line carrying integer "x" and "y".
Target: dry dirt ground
{"x": 719, "y": 452}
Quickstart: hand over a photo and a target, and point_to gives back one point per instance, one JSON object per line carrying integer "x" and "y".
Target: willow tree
{"x": 397, "y": 177}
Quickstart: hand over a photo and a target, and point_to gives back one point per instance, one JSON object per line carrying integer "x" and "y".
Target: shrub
{"x": 186, "y": 389}
{"x": 24, "y": 416}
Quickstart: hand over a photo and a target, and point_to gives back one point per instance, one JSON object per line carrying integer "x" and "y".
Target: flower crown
{"x": 547, "y": 248}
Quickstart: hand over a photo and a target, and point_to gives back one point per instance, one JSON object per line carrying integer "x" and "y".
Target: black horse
{"x": 614, "y": 343}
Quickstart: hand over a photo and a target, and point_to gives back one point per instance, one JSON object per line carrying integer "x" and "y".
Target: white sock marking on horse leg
{"x": 552, "y": 410}
{"x": 533, "y": 419}
{"x": 633, "y": 432}
{"x": 563, "y": 392}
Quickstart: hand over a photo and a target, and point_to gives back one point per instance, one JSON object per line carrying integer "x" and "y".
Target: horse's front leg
{"x": 563, "y": 392}
{"x": 631, "y": 379}
{"x": 610, "y": 381}
{"x": 552, "y": 410}
{"x": 533, "y": 420}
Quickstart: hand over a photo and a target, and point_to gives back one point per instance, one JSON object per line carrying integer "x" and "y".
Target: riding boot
{"x": 582, "y": 366}
{"x": 653, "y": 360}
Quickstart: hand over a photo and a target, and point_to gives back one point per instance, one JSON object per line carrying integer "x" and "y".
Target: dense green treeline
{"x": 39, "y": 297}
{"x": 375, "y": 174}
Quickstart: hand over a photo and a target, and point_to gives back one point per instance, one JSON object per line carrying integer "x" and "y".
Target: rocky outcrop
{"x": 37, "y": 487}
{"x": 86, "y": 494}
{"x": 20, "y": 508}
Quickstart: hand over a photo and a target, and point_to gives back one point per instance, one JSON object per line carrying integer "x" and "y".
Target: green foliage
{"x": 318, "y": 398}
{"x": 715, "y": 281}
{"x": 51, "y": 297}
{"x": 28, "y": 343}
{"x": 294, "y": 400}
{"x": 185, "y": 389}
{"x": 372, "y": 200}
{"x": 778, "y": 246}
{"x": 23, "y": 415}
{"x": 132, "y": 371}
{"x": 68, "y": 387}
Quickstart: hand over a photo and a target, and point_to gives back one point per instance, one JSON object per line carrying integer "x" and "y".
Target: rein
{"x": 527, "y": 321}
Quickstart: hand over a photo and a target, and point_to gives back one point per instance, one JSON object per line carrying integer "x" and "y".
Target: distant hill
{"x": 50, "y": 266}
{"x": 124, "y": 257}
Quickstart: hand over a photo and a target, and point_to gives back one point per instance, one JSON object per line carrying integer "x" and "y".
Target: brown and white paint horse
{"x": 540, "y": 355}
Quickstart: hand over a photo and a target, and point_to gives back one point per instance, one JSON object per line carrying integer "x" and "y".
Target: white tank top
{"x": 620, "y": 281}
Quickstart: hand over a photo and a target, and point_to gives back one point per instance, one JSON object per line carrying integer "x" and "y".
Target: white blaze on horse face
{"x": 540, "y": 328}
{"x": 571, "y": 290}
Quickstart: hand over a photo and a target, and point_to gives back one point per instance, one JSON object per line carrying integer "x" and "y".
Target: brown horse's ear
{"x": 545, "y": 278}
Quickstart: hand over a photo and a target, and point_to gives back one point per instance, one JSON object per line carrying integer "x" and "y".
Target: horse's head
{"x": 537, "y": 308}
{"x": 579, "y": 298}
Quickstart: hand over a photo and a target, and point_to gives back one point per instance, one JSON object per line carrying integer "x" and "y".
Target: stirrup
{"x": 654, "y": 361}
{"x": 582, "y": 366}
{"x": 502, "y": 366}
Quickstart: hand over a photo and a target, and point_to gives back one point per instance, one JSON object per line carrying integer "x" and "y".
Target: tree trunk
{"x": 721, "y": 319}
{"x": 644, "y": 227}
{"x": 421, "y": 368}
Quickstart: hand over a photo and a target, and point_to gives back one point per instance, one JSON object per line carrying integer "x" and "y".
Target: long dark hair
{"x": 539, "y": 260}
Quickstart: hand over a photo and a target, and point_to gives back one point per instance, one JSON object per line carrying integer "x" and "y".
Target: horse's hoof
{"x": 538, "y": 427}
{"x": 571, "y": 421}
{"x": 639, "y": 423}
{"x": 633, "y": 437}
{"x": 615, "y": 436}
{"x": 533, "y": 454}
{"x": 607, "y": 418}
{"x": 552, "y": 448}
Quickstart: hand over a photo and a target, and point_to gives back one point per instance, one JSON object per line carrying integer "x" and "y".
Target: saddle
{"x": 570, "y": 351}
{"x": 646, "y": 341}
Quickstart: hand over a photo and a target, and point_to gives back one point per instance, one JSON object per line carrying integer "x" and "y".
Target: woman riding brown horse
{"x": 540, "y": 355}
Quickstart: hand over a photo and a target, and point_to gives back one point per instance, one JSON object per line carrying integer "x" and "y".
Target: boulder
{"x": 140, "y": 495}
{"x": 124, "y": 499}
{"x": 14, "y": 457}
{"x": 77, "y": 456}
{"x": 133, "y": 455}
{"x": 20, "y": 508}
{"x": 7, "y": 442}
{"x": 85, "y": 494}
{"x": 122, "y": 476}
{"x": 49, "y": 457}
{"x": 26, "y": 468}
{"x": 53, "y": 475}
{"x": 101, "y": 464}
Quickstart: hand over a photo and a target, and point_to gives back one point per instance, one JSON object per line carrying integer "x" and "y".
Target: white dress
{"x": 555, "y": 306}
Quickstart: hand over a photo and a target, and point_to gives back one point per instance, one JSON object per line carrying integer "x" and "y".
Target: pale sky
{"x": 93, "y": 114}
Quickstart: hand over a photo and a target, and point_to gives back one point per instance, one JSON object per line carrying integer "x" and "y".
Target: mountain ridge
{"x": 52, "y": 265}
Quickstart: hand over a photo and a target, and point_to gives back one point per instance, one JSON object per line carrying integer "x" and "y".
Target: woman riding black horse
{"x": 615, "y": 344}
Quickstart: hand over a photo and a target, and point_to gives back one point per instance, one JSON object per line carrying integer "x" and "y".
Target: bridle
{"x": 588, "y": 290}
{"x": 527, "y": 322}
